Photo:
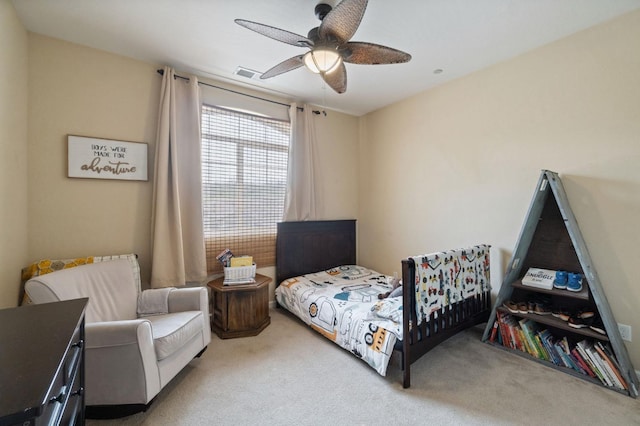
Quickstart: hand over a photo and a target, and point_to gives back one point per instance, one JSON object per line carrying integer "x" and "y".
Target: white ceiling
{"x": 199, "y": 36}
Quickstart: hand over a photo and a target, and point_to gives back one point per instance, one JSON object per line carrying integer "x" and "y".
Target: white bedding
{"x": 342, "y": 304}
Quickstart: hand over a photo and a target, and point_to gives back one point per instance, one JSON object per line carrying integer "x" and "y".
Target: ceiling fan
{"x": 329, "y": 44}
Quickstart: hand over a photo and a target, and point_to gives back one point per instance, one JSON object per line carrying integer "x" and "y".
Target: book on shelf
{"x": 543, "y": 349}
{"x": 597, "y": 362}
{"x": 567, "y": 360}
{"x": 565, "y": 353}
{"x": 580, "y": 360}
{"x": 589, "y": 361}
{"x": 494, "y": 331}
{"x": 515, "y": 333}
{"x": 523, "y": 342}
{"x": 539, "y": 278}
{"x": 610, "y": 367}
{"x": 527, "y": 343}
{"x": 502, "y": 328}
{"x": 612, "y": 358}
{"x": 535, "y": 349}
{"x": 547, "y": 340}
{"x": 563, "y": 359}
{"x": 509, "y": 332}
{"x": 564, "y": 343}
{"x": 499, "y": 337}
{"x": 606, "y": 370}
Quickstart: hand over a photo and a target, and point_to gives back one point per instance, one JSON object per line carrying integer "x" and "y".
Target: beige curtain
{"x": 177, "y": 228}
{"x": 300, "y": 198}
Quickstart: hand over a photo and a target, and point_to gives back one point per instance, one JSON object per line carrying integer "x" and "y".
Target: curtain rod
{"x": 316, "y": 112}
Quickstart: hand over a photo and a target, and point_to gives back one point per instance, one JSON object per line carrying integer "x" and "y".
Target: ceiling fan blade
{"x": 343, "y": 21}
{"x": 337, "y": 78}
{"x": 284, "y": 66}
{"x": 372, "y": 54}
{"x": 275, "y": 33}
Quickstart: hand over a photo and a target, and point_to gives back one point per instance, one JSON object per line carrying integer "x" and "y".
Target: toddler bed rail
{"x": 451, "y": 292}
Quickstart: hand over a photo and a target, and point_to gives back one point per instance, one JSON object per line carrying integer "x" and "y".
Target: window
{"x": 244, "y": 178}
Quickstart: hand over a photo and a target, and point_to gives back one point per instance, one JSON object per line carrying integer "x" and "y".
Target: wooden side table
{"x": 240, "y": 310}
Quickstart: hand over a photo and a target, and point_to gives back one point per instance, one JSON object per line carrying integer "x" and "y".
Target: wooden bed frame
{"x": 312, "y": 246}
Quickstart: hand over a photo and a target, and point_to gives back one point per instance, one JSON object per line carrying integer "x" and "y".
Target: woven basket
{"x": 239, "y": 273}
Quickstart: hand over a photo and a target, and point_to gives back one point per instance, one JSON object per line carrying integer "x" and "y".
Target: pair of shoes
{"x": 598, "y": 326}
{"x": 559, "y": 285}
{"x": 575, "y": 287}
{"x": 582, "y": 318}
{"x": 511, "y": 306}
{"x": 542, "y": 308}
{"x": 531, "y": 307}
{"x": 561, "y": 280}
{"x": 574, "y": 283}
{"x": 576, "y": 321}
{"x": 571, "y": 281}
{"x": 585, "y": 313}
{"x": 516, "y": 308}
{"x": 523, "y": 307}
{"x": 561, "y": 312}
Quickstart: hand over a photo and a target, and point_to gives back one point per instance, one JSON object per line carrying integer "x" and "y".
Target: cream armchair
{"x": 128, "y": 359}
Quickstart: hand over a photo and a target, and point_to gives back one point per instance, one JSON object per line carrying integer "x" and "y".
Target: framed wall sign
{"x": 96, "y": 158}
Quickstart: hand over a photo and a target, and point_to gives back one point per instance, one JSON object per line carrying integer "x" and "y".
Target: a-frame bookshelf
{"x": 550, "y": 239}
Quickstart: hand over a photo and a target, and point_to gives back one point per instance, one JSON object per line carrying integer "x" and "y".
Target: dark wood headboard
{"x": 312, "y": 246}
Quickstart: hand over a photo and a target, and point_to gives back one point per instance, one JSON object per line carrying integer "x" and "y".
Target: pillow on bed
{"x": 349, "y": 272}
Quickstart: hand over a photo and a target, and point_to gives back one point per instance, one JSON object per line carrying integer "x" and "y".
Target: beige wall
{"x": 468, "y": 155}
{"x": 338, "y": 160}
{"x": 13, "y": 152}
{"x": 82, "y": 91}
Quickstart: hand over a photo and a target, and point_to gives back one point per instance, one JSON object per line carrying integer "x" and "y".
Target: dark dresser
{"x": 42, "y": 364}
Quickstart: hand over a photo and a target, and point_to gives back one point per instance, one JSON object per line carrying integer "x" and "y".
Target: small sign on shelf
{"x": 539, "y": 278}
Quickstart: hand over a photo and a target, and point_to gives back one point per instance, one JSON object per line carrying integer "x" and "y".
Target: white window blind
{"x": 244, "y": 176}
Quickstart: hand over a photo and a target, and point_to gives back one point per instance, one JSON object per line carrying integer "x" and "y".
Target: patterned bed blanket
{"x": 342, "y": 304}
{"x": 448, "y": 277}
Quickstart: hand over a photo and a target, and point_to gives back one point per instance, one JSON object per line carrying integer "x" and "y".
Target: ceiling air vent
{"x": 247, "y": 73}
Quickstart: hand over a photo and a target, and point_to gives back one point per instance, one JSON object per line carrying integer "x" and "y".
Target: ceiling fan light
{"x": 322, "y": 60}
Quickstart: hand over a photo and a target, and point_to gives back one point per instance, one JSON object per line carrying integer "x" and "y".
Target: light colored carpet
{"x": 290, "y": 375}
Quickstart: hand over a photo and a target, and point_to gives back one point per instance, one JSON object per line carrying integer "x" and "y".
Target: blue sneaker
{"x": 561, "y": 280}
{"x": 560, "y": 285}
{"x": 574, "y": 283}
